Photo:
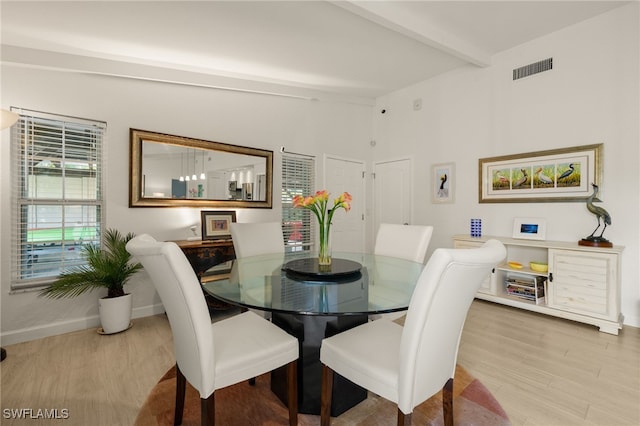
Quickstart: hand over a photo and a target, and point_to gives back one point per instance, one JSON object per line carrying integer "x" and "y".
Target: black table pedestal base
{"x": 310, "y": 330}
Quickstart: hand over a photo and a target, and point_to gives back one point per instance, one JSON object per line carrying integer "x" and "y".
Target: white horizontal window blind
{"x": 57, "y": 194}
{"x": 298, "y": 178}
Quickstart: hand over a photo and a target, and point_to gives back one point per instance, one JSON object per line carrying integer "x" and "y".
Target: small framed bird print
{"x": 564, "y": 174}
{"x": 442, "y": 182}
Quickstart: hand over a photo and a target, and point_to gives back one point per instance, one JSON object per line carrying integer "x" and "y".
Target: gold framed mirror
{"x": 177, "y": 171}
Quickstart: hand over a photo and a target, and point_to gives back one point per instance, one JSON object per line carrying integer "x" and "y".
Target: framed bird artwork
{"x": 442, "y": 183}
{"x": 563, "y": 174}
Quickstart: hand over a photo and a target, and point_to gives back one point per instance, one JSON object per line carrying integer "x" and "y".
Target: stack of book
{"x": 526, "y": 287}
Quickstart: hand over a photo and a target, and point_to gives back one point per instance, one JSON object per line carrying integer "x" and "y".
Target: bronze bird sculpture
{"x": 599, "y": 212}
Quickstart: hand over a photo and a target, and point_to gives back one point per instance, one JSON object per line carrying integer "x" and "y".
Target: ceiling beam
{"x": 420, "y": 28}
{"x": 65, "y": 62}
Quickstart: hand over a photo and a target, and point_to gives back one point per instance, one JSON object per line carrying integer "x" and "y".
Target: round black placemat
{"x": 309, "y": 269}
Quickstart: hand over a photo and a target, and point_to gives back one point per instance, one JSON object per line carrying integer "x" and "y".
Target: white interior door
{"x": 347, "y": 230}
{"x": 392, "y": 192}
{"x": 216, "y": 186}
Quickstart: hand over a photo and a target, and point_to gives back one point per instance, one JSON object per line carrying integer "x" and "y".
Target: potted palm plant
{"x": 109, "y": 267}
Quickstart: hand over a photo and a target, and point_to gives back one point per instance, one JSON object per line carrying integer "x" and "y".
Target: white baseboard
{"x": 54, "y": 329}
{"x": 632, "y": 321}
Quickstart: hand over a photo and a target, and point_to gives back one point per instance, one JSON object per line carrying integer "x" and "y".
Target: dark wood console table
{"x": 203, "y": 255}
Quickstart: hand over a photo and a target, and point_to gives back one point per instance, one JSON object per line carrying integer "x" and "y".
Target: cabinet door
{"x": 583, "y": 282}
{"x": 489, "y": 285}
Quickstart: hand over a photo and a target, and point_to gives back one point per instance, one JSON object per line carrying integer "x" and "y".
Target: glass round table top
{"x": 361, "y": 284}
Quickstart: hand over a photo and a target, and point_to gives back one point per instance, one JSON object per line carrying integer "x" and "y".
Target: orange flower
{"x": 344, "y": 201}
{"x": 298, "y": 201}
{"x": 322, "y": 195}
{"x": 318, "y": 204}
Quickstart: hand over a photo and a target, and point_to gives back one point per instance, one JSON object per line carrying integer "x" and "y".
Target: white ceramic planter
{"x": 115, "y": 313}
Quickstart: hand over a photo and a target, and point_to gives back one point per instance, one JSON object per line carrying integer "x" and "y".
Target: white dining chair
{"x": 253, "y": 239}
{"x": 212, "y": 356}
{"x": 408, "y": 242}
{"x": 408, "y": 364}
{"x": 256, "y": 238}
{"x": 403, "y": 241}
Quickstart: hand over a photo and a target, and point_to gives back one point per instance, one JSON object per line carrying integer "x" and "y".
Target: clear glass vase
{"x": 324, "y": 251}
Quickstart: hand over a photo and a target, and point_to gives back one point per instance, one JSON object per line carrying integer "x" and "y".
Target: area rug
{"x": 245, "y": 405}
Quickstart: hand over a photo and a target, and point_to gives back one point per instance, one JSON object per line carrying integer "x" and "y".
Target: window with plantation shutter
{"x": 57, "y": 194}
{"x": 297, "y": 179}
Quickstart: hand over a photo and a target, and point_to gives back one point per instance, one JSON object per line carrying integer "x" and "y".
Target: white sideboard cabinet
{"x": 582, "y": 283}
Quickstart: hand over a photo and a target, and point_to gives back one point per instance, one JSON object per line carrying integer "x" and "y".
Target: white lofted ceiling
{"x": 350, "y": 48}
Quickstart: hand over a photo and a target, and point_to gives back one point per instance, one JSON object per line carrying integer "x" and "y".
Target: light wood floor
{"x": 542, "y": 370}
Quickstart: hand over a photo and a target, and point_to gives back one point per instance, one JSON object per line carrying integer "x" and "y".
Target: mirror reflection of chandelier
{"x": 181, "y": 167}
{"x": 202, "y": 175}
{"x": 193, "y": 176}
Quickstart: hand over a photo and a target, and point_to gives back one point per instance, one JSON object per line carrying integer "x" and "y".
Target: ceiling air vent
{"x": 535, "y": 68}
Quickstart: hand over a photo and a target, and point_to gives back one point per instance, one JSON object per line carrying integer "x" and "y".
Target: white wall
{"x": 264, "y": 121}
{"x": 591, "y": 96}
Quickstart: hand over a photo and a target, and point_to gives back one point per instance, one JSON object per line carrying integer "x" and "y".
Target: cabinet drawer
{"x": 467, "y": 244}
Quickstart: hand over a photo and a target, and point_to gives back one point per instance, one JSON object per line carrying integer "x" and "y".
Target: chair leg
{"x": 447, "y": 402}
{"x": 181, "y": 386}
{"x": 208, "y": 410}
{"x": 292, "y": 396}
{"x": 325, "y": 398}
{"x": 404, "y": 419}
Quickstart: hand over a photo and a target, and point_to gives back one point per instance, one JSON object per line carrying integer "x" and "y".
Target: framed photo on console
{"x": 529, "y": 228}
{"x": 216, "y": 225}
